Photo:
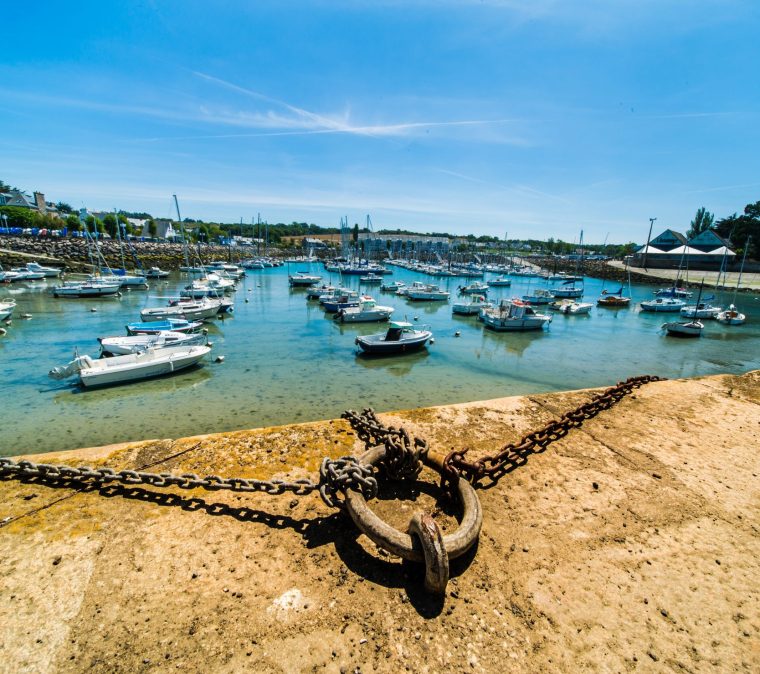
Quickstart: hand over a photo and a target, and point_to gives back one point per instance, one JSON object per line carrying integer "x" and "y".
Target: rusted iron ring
{"x": 422, "y": 544}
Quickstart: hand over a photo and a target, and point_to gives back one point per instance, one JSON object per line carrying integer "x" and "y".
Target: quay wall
{"x": 630, "y": 544}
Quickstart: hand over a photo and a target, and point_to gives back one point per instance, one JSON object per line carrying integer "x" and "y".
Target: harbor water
{"x": 287, "y": 361}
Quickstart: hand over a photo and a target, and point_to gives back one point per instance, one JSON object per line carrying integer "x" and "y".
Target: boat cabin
{"x": 396, "y": 330}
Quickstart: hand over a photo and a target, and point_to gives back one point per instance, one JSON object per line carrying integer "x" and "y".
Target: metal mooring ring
{"x": 420, "y": 544}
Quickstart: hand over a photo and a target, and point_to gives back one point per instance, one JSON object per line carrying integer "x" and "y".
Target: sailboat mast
{"x": 741, "y": 269}
{"x": 182, "y": 231}
{"x": 118, "y": 236}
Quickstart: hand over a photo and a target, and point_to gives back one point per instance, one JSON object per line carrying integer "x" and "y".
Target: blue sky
{"x": 533, "y": 118}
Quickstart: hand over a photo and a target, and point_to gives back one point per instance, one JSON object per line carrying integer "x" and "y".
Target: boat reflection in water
{"x": 398, "y": 366}
{"x": 515, "y": 343}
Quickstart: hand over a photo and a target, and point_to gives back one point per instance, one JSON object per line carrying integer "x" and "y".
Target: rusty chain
{"x": 335, "y": 477}
{"x": 516, "y": 454}
{"x": 372, "y": 431}
{"x": 402, "y": 453}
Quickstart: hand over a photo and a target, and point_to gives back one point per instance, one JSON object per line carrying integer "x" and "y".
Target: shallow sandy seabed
{"x": 629, "y": 545}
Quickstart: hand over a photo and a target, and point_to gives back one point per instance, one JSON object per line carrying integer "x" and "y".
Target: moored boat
{"x": 401, "y": 337}
{"x": 301, "y": 280}
{"x": 678, "y": 329}
{"x": 474, "y": 288}
{"x": 514, "y": 316}
{"x": 196, "y": 310}
{"x": 156, "y": 272}
{"x": 662, "y": 304}
{"x": 133, "y": 367}
{"x": 368, "y": 311}
{"x": 171, "y": 324}
{"x": 76, "y": 289}
{"x": 6, "y": 309}
{"x": 731, "y": 316}
{"x": 501, "y": 281}
{"x": 471, "y": 306}
{"x": 120, "y": 346}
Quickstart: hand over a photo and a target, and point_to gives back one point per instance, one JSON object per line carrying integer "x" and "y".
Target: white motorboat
{"x": 74, "y": 289}
{"x": 371, "y": 278}
{"x": 514, "y": 315}
{"x": 573, "y": 308}
{"x": 474, "y": 288}
{"x": 731, "y": 316}
{"x": 678, "y": 329}
{"x": 500, "y": 281}
{"x": 301, "y": 280}
{"x": 211, "y": 285}
{"x": 393, "y": 286}
{"x": 368, "y": 311}
{"x": 156, "y": 272}
{"x": 471, "y": 306}
{"x": 428, "y": 293}
{"x": 197, "y": 310}
{"x": 701, "y": 310}
{"x": 47, "y": 272}
{"x": 539, "y": 296}
{"x": 662, "y": 304}
{"x": 120, "y": 346}
{"x": 226, "y": 270}
{"x": 6, "y": 309}
{"x": 20, "y": 274}
{"x": 133, "y": 367}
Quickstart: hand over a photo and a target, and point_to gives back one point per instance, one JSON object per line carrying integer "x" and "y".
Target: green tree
{"x": 737, "y": 228}
{"x": 109, "y": 221}
{"x": 73, "y": 223}
{"x": 355, "y": 233}
{"x": 702, "y": 221}
{"x": 63, "y": 207}
{"x": 19, "y": 217}
{"x": 152, "y": 228}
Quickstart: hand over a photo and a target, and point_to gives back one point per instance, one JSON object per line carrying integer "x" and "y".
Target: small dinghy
{"x": 121, "y": 346}
{"x": 156, "y": 272}
{"x": 401, "y": 337}
{"x": 133, "y": 367}
{"x": 169, "y": 325}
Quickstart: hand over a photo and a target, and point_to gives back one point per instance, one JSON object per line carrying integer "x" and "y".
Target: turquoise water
{"x": 287, "y": 361}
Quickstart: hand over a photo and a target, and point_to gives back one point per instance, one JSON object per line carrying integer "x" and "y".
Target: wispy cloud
{"x": 311, "y": 122}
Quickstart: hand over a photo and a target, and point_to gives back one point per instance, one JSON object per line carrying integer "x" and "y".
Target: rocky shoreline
{"x": 73, "y": 254}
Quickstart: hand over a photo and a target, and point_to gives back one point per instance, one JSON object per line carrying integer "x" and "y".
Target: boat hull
{"x": 138, "y": 367}
{"x": 95, "y": 290}
{"x": 374, "y": 346}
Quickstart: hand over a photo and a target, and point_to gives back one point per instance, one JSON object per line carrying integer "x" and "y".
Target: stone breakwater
{"x": 73, "y": 254}
{"x": 630, "y": 544}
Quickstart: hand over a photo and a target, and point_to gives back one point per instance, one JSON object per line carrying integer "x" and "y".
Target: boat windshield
{"x": 393, "y": 334}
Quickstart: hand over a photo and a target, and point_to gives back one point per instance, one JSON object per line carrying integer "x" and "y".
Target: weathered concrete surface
{"x": 656, "y": 568}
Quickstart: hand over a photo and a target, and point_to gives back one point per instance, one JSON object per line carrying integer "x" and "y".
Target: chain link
{"x": 402, "y": 453}
{"x": 336, "y": 476}
{"x": 516, "y": 454}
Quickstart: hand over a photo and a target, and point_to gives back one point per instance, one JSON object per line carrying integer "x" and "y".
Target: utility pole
{"x": 649, "y": 237}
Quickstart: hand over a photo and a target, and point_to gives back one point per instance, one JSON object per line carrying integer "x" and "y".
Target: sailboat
{"x": 691, "y": 329}
{"x": 732, "y": 316}
{"x": 616, "y": 298}
{"x": 569, "y": 289}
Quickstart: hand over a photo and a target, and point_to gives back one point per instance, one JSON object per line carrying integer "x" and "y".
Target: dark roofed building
{"x": 708, "y": 240}
{"x": 668, "y": 240}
